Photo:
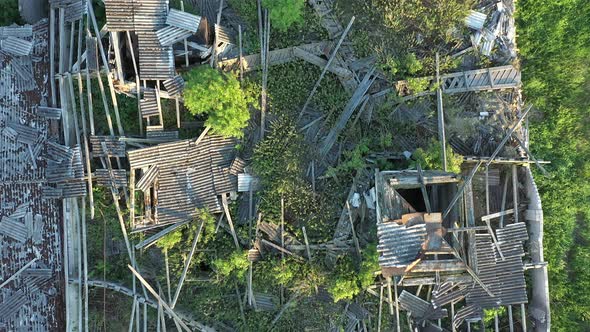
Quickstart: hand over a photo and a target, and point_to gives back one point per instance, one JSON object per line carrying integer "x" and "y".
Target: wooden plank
{"x": 356, "y": 240}
{"x": 317, "y": 61}
{"x": 497, "y": 215}
{"x": 515, "y": 192}
{"x": 441, "y": 117}
{"x": 330, "y": 60}
{"x": 307, "y": 250}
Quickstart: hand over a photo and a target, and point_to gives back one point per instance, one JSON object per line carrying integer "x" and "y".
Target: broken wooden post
{"x": 325, "y": 70}
{"x": 164, "y": 304}
{"x": 510, "y": 319}
{"x": 229, "y": 220}
{"x": 441, "y": 116}
{"x": 380, "y": 309}
{"x": 241, "y": 55}
{"x": 503, "y": 204}
{"x": 306, "y": 243}
{"x": 515, "y": 191}
{"x": 187, "y": 264}
{"x": 356, "y": 240}
{"x": 396, "y": 304}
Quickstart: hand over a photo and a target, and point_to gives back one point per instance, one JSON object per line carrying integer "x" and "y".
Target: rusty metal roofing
{"x": 76, "y": 10}
{"x": 17, "y": 46}
{"x": 174, "y": 86}
{"x": 188, "y": 175}
{"x": 26, "y": 219}
{"x": 19, "y": 31}
{"x": 156, "y": 62}
{"x": 183, "y": 20}
{"x": 399, "y": 245}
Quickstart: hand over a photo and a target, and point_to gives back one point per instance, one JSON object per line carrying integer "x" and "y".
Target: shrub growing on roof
{"x": 220, "y": 97}
{"x": 283, "y": 13}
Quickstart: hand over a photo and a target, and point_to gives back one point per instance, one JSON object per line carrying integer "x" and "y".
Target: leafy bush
{"x": 283, "y": 13}
{"x": 234, "y": 266}
{"x": 354, "y": 159}
{"x": 431, "y": 157}
{"x": 346, "y": 283}
{"x": 220, "y": 97}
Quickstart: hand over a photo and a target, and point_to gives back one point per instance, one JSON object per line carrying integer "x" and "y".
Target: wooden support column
{"x": 523, "y": 316}
{"x": 503, "y": 205}
{"x": 510, "y": 319}
{"x": 137, "y": 83}
{"x": 396, "y": 304}
{"x": 441, "y": 116}
{"x": 515, "y": 191}
{"x": 52, "y": 56}
{"x": 380, "y": 309}
{"x": 306, "y": 243}
{"x": 117, "y": 51}
{"x": 241, "y": 58}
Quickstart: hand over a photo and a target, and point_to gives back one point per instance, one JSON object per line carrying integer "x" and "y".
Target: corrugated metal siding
{"x": 399, "y": 245}
{"x": 183, "y": 20}
{"x": 170, "y": 35}
{"x": 174, "y": 86}
{"x": 24, "y": 86}
{"x": 156, "y": 62}
{"x": 119, "y": 14}
{"x": 17, "y": 46}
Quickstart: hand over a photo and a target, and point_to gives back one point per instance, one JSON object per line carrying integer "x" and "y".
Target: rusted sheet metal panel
{"x": 19, "y": 31}
{"x": 148, "y": 178}
{"x": 187, "y": 177}
{"x": 24, "y": 213}
{"x": 149, "y": 15}
{"x": 115, "y": 148}
{"x": 399, "y": 245}
{"x": 76, "y": 10}
{"x": 156, "y": 62}
{"x": 183, "y": 20}
{"x": 174, "y": 86}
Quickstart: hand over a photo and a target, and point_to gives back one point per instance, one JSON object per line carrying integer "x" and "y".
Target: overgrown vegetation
{"x": 219, "y": 96}
{"x": 284, "y": 13}
{"x": 553, "y": 40}
{"x": 10, "y": 13}
{"x": 431, "y": 157}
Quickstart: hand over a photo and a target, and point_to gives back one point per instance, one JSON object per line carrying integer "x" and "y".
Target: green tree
{"x": 10, "y": 13}
{"x": 234, "y": 266}
{"x": 283, "y": 13}
{"x": 220, "y": 97}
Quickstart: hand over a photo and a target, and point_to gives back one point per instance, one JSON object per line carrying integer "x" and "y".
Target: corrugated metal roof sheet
{"x": 187, "y": 177}
{"x": 170, "y": 35}
{"x": 475, "y": 20}
{"x": 76, "y": 10}
{"x": 183, "y": 20}
{"x": 174, "y": 86}
{"x": 156, "y": 62}
{"x": 19, "y": 31}
{"x": 224, "y": 35}
{"x": 17, "y": 46}
{"x": 399, "y": 245}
